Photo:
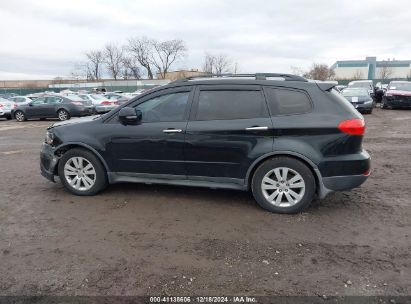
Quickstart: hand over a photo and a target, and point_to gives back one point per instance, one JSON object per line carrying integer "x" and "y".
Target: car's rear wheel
{"x": 283, "y": 185}
{"x": 81, "y": 172}
{"x": 20, "y": 116}
{"x": 63, "y": 115}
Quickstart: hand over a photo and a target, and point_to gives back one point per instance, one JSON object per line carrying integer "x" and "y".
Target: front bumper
{"x": 397, "y": 101}
{"x": 48, "y": 162}
{"x": 360, "y": 107}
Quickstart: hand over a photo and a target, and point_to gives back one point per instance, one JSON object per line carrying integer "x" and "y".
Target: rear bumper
{"x": 344, "y": 172}
{"x": 83, "y": 111}
{"x": 105, "y": 109}
{"x": 48, "y": 162}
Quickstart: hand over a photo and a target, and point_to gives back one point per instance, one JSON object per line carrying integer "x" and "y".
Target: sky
{"x": 44, "y": 39}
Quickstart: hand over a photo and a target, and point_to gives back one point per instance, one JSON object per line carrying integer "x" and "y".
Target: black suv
{"x": 282, "y": 137}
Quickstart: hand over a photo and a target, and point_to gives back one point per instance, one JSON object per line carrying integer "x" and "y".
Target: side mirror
{"x": 30, "y": 104}
{"x": 130, "y": 116}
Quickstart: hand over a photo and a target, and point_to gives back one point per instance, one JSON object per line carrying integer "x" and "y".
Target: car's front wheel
{"x": 283, "y": 185}
{"x": 63, "y": 115}
{"x": 20, "y": 116}
{"x": 81, "y": 172}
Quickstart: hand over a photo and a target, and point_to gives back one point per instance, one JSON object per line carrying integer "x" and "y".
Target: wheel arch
{"x": 60, "y": 150}
{"x": 309, "y": 163}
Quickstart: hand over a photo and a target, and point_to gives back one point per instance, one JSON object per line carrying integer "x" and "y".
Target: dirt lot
{"x": 139, "y": 239}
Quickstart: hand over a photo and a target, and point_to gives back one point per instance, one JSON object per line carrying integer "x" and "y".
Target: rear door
{"x": 52, "y": 105}
{"x": 229, "y": 128}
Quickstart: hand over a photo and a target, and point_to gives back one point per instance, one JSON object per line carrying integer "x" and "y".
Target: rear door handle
{"x": 172, "y": 131}
{"x": 256, "y": 128}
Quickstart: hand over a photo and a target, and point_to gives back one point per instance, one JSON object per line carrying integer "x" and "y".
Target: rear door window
{"x": 287, "y": 101}
{"x": 230, "y": 104}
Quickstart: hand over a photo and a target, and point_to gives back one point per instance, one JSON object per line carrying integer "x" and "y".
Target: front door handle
{"x": 256, "y": 128}
{"x": 172, "y": 131}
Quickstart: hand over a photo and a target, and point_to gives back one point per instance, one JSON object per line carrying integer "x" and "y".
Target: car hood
{"x": 74, "y": 121}
{"x": 360, "y": 98}
{"x": 398, "y": 92}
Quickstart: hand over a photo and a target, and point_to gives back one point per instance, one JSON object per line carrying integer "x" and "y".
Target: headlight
{"x": 49, "y": 138}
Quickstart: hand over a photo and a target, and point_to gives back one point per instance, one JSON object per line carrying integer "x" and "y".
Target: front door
{"x": 156, "y": 145}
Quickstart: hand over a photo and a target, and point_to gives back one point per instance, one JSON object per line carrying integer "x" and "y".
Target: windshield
{"x": 360, "y": 85}
{"x": 400, "y": 86}
{"x": 355, "y": 92}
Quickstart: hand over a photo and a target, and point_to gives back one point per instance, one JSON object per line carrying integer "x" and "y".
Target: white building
{"x": 372, "y": 69}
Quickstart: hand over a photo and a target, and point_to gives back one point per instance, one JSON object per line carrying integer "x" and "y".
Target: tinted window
{"x": 283, "y": 101}
{"x": 53, "y": 100}
{"x": 226, "y": 104}
{"x": 169, "y": 107}
{"x": 40, "y": 100}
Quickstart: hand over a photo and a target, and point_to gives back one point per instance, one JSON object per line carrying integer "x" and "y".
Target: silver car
{"x": 102, "y": 104}
{"x": 6, "y": 106}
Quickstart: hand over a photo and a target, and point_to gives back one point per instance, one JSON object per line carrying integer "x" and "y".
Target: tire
{"x": 72, "y": 161}
{"x": 302, "y": 179}
{"x": 63, "y": 115}
{"x": 20, "y": 116}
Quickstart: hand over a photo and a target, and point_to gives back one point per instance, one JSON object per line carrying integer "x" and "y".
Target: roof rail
{"x": 257, "y": 76}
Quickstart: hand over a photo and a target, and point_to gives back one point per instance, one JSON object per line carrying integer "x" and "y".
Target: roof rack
{"x": 257, "y": 76}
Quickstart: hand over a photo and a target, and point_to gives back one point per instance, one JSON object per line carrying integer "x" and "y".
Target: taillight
{"x": 1, "y": 105}
{"x": 352, "y": 126}
{"x": 106, "y": 103}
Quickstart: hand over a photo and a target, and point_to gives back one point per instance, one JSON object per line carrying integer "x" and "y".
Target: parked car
{"x": 360, "y": 98}
{"x": 285, "y": 140}
{"x": 6, "y": 106}
{"x": 21, "y": 100}
{"x": 102, "y": 104}
{"x": 7, "y": 95}
{"x": 117, "y": 98}
{"x": 398, "y": 95}
{"x": 340, "y": 87}
{"x": 60, "y": 107}
{"x": 375, "y": 92}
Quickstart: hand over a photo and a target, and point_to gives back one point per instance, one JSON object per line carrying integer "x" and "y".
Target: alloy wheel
{"x": 283, "y": 187}
{"x": 19, "y": 116}
{"x": 63, "y": 115}
{"x": 80, "y": 173}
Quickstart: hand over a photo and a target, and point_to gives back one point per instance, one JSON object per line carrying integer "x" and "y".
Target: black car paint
{"x": 32, "y": 110}
{"x": 219, "y": 154}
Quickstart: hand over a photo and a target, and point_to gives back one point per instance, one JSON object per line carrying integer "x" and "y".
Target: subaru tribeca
{"x": 284, "y": 138}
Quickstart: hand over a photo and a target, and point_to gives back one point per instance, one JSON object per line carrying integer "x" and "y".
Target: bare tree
{"x": 113, "y": 57}
{"x": 166, "y": 53}
{"x": 96, "y": 60}
{"x": 217, "y": 64}
{"x": 130, "y": 68}
{"x": 142, "y": 49}
{"x": 357, "y": 75}
{"x": 320, "y": 71}
{"x": 385, "y": 71}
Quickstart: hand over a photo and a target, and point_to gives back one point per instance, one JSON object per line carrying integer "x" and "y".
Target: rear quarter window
{"x": 287, "y": 101}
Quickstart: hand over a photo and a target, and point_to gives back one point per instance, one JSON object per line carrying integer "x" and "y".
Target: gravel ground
{"x": 150, "y": 240}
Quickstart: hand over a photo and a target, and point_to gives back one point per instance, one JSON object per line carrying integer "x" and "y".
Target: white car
{"x": 21, "y": 100}
{"x": 6, "y": 106}
{"x": 101, "y": 103}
